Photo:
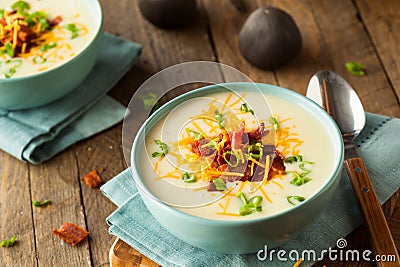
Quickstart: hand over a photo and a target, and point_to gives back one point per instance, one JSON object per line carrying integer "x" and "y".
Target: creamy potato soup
{"x": 37, "y": 35}
{"x": 214, "y": 157}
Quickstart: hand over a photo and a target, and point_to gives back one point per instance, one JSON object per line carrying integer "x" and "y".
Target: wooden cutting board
{"x": 123, "y": 255}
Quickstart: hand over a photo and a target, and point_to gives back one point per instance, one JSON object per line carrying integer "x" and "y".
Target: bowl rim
{"x": 267, "y": 89}
{"x": 99, "y": 31}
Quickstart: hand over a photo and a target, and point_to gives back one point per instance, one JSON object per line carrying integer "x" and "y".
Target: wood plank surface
{"x": 382, "y": 23}
{"x": 333, "y": 33}
{"x": 16, "y": 213}
{"x": 57, "y": 180}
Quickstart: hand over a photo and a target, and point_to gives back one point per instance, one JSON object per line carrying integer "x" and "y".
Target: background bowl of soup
{"x": 287, "y": 207}
{"x": 61, "y": 58}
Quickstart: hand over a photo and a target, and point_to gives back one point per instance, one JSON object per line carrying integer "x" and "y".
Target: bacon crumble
{"x": 71, "y": 233}
{"x": 93, "y": 179}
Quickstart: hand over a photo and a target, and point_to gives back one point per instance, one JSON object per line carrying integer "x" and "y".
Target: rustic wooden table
{"x": 333, "y": 32}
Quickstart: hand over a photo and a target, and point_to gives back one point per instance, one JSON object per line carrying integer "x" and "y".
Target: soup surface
{"x": 190, "y": 159}
{"x": 37, "y": 35}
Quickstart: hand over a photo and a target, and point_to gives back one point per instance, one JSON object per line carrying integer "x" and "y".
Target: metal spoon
{"x": 335, "y": 94}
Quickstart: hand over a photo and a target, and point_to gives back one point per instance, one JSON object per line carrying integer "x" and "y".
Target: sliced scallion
{"x": 48, "y": 46}
{"x": 8, "y": 243}
{"x": 37, "y": 203}
{"x": 39, "y": 60}
{"x": 196, "y": 135}
{"x": 355, "y": 68}
{"x": 242, "y": 197}
{"x": 255, "y": 151}
{"x": 189, "y": 178}
{"x": 245, "y": 109}
{"x": 292, "y": 199}
{"x": 73, "y": 29}
{"x": 9, "y": 49}
{"x": 163, "y": 147}
{"x": 296, "y": 158}
{"x": 236, "y": 163}
{"x": 249, "y": 206}
{"x": 220, "y": 119}
{"x": 274, "y": 122}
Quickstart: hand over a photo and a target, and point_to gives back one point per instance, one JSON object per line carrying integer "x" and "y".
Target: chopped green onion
{"x": 73, "y": 29}
{"x": 296, "y": 158}
{"x": 189, "y": 178}
{"x": 20, "y": 6}
{"x": 248, "y": 209}
{"x": 274, "y": 122}
{"x": 220, "y": 119}
{"x": 197, "y": 135}
{"x": 15, "y": 63}
{"x": 10, "y": 73}
{"x": 8, "y": 243}
{"x": 1, "y": 13}
{"x": 39, "y": 60}
{"x": 256, "y": 200}
{"x": 299, "y": 179}
{"x": 245, "y": 109}
{"x": 163, "y": 147}
{"x": 301, "y": 166}
{"x": 255, "y": 148}
{"x": 355, "y": 68}
{"x": 149, "y": 100}
{"x": 243, "y": 211}
{"x": 38, "y": 17}
{"x": 37, "y": 203}
{"x": 9, "y": 49}
{"x": 290, "y": 199}
{"x": 228, "y": 161}
{"x": 242, "y": 197}
{"x": 48, "y": 46}
{"x": 12, "y": 64}
{"x": 249, "y": 206}
{"x": 219, "y": 184}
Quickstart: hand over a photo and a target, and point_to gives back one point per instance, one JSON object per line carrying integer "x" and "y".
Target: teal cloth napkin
{"x": 379, "y": 146}
{"x": 38, "y": 134}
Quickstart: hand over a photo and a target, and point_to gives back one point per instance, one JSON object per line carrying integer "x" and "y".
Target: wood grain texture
{"x": 16, "y": 213}
{"x": 58, "y": 180}
{"x": 123, "y": 255}
{"x": 382, "y": 22}
{"x": 374, "y": 217}
{"x": 101, "y": 153}
{"x": 347, "y": 40}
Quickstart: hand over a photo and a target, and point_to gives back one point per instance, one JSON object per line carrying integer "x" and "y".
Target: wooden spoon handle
{"x": 371, "y": 209}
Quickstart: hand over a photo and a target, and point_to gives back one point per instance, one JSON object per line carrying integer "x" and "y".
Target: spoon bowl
{"x": 335, "y": 94}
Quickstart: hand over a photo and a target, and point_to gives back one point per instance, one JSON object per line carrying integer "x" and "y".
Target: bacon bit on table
{"x": 71, "y": 233}
{"x": 92, "y": 179}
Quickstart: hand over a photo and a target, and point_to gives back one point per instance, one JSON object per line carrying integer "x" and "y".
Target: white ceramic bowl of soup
{"x": 62, "y": 61}
{"x": 286, "y": 208}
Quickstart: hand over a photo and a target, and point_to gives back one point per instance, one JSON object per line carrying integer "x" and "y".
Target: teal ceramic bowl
{"x": 42, "y": 88}
{"x": 252, "y": 234}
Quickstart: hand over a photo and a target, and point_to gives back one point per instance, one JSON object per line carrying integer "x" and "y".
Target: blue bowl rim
{"x": 156, "y": 116}
{"x": 99, "y": 32}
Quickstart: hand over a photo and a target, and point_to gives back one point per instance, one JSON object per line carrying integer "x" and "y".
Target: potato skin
{"x": 269, "y": 38}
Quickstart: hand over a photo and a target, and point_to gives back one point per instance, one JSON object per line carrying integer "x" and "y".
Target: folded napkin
{"x": 37, "y": 134}
{"x": 132, "y": 222}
